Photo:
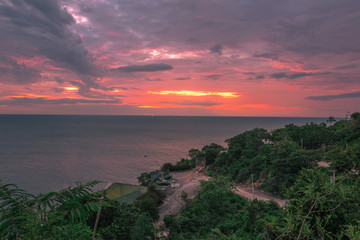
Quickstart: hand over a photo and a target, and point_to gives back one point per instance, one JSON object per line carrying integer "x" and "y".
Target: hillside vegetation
{"x": 323, "y": 201}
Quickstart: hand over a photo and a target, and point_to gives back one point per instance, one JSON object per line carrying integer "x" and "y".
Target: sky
{"x": 180, "y": 57}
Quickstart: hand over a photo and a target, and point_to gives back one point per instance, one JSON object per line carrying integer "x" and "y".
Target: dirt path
{"x": 246, "y": 192}
{"x": 187, "y": 181}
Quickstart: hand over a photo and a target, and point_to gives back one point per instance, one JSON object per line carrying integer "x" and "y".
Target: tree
{"x": 17, "y": 210}
{"x": 344, "y": 160}
{"x": 211, "y": 152}
{"x": 355, "y": 116}
{"x": 117, "y": 220}
{"x": 194, "y": 153}
{"x": 331, "y": 120}
{"x": 319, "y": 209}
{"x": 143, "y": 228}
{"x": 25, "y": 216}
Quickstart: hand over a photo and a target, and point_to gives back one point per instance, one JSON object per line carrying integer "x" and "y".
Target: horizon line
{"x": 154, "y": 115}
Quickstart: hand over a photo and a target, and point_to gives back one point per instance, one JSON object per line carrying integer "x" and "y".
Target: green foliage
{"x": 249, "y": 142}
{"x": 355, "y": 117}
{"x": 352, "y": 232}
{"x": 17, "y": 210}
{"x": 211, "y": 152}
{"x": 144, "y": 179}
{"x": 166, "y": 167}
{"x": 143, "y": 228}
{"x": 347, "y": 131}
{"x": 150, "y": 201}
{"x": 194, "y": 153}
{"x": 319, "y": 209}
{"x": 312, "y": 135}
{"x": 184, "y": 164}
{"x": 78, "y": 231}
{"x": 25, "y": 216}
{"x": 218, "y": 212}
{"x": 287, "y": 160}
{"x": 117, "y": 220}
{"x": 345, "y": 159}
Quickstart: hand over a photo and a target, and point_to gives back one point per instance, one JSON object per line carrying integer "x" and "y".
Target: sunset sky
{"x": 180, "y": 57}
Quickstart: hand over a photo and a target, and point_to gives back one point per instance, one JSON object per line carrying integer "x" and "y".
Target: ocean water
{"x": 43, "y": 153}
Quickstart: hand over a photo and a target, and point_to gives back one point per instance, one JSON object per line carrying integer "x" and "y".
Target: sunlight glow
{"x": 196, "y": 93}
{"x": 170, "y": 53}
{"x": 71, "y": 88}
{"x": 150, "y": 107}
{"x": 78, "y": 18}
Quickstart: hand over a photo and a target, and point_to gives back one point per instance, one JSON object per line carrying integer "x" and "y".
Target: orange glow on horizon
{"x": 30, "y": 95}
{"x": 196, "y": 93}
{"x": 150, "y": 107}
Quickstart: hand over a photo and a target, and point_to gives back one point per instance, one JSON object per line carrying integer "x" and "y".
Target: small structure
{"x": 125, "y": 192}
{"x": 200, "y": 162}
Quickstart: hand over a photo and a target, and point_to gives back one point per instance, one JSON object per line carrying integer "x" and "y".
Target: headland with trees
{"x": 323, "y": 202}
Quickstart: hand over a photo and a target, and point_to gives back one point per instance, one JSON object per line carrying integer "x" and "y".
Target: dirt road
{"x": 246, "y": 192}
{"x": 188, "y": 181}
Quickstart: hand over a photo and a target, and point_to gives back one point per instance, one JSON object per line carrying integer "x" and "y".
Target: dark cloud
{"x": 332, "y": 97}
{"x": 301, "y": 74}
{"x": 12, "y": 72}
{"x": 350, "y": 66}
{"x": 41, "y": 100}
{"x": 59, "y": 80}
{"x": 249, "y": 73}
{"x": 42, "y": 27}
{"x": 321, "y": 27}
{"x": 153, "y": 80}
{"x": 214, "y": 77}
{"x": 296, "y": 75}
{"x": 182, "y": 78}
{"x": 279, "y": 75}
{"x": 217, "y": 48}
{"x": 272, "y": 56}
{"x": 85, "y": 90}
{"x": 58, "y": 90}
{"x": 324, "y": 26}
{"x": 260, "y": 77}
{"x": 194, "y": 103}
{"x": 307, "y": 34}
{"x": 145, "y": 68}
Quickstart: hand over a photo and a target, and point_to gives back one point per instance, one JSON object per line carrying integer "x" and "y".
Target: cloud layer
{"x": 145, "y": 68}
{"x": 337, "y": 96}
{"x": 278, "y": 58}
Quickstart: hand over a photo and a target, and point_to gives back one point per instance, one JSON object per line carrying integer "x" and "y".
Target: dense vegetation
{"x": 283, "y": 162}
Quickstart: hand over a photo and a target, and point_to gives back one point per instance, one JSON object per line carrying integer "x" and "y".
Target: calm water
{"x": 44, "y": 153}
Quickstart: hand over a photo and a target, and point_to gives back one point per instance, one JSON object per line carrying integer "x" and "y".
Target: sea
{"x": 42, "y": 153}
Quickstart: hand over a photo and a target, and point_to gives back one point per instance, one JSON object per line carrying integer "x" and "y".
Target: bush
{"x": 166, "y": 167}
{"x": 150, "y": 201}
{"x": 116, "y": 221}
{"x": 144, "y": 179}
